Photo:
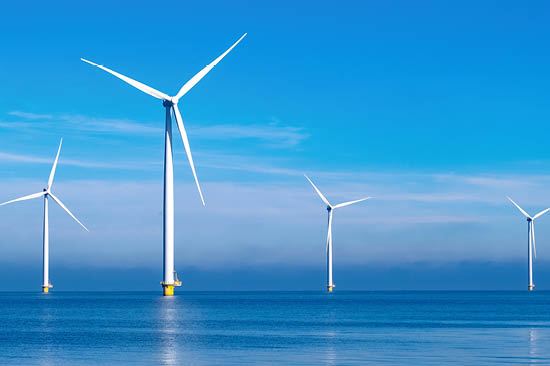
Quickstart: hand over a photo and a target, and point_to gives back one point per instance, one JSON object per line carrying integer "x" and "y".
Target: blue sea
{"x": 275, "y": 328}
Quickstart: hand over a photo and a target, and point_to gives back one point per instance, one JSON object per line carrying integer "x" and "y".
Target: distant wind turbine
{"x": 47, "y": 192}
{"x": 330, "y": 208}
{"x": 531, "y": 248}
{"x": 171, "y": 105}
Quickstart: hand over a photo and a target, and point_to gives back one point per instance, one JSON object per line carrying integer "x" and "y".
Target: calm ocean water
{"x": 275, "y": 328}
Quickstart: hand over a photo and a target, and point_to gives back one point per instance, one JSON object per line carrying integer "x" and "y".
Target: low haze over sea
{"x": 275, "y": 328}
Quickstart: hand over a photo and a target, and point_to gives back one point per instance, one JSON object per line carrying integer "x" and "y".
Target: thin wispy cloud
{"x": 76, "y": 123}
{"x": 7, "y": 157}
{"x": 271, "y": 135}
{"x": 16, "y": 125}
{"x": 432, "y": 197}
{"x": 251, "y": 164}
{"x": 421, "y": 219}
{"x": 109, "y": 125}
{"x": 28, "y": 115}
{"x": 391, "y": 187}
{"x": 493, "y": 181}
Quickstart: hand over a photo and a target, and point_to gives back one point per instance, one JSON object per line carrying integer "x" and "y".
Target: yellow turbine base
{"x": 531, "y": 287}
{"x": 168, "y": 290}
{"x": 45, "y": 289}
{"x": 329, "y": 288}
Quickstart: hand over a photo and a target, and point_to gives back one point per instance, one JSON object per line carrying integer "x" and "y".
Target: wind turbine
{"x": 531, "y": 248}
{"x": 171, "y": 105}
{"x": 46, "y": 193}
{"x": 330, "y": 208}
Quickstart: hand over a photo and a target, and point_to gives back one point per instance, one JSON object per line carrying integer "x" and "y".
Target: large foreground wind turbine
{"x": 171, "y": 105}
{"x": 531, "y": 248}
{"x": 330, "y": 208}
{"x": 47, "y": 192}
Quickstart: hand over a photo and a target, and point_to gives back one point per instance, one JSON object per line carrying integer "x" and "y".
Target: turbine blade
{"x": 136, "y": 84}
{"x": 541, "y": 213}
{"x": 195, "y": 79}
{"x": 318, "y": 191}
{"x": 187, "y": 148}
{"x": 533, "y": 234}
{"x": 351, "y": 202}
{"x": 52, "y": 173}
{"x": 67, "y": 210}
{"x": 30, "y": 196}
{"x": 519, "y": 208}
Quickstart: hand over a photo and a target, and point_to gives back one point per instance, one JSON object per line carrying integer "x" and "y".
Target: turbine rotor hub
{"x": 167, "y": 103}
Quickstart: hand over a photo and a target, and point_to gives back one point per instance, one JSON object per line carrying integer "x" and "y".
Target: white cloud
{"x": 78, "y": 163}
{"x": 494, "y": 181}
{"x": 273, "y": 134}
{"x": 31, "y": 116}
{"x": 110, "y": 125}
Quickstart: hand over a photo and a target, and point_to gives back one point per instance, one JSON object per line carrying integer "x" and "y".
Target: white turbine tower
{"x": 330, "y": 208}
{"x": 171, "y": 105}
{"x": 531, "y": 248}
{"x": 47, "y": 192}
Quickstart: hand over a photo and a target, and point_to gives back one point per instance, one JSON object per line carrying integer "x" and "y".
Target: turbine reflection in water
{"x": 168, "y": 330}
{"x": 330, "y": 352}
{"x": 47, "y": 324}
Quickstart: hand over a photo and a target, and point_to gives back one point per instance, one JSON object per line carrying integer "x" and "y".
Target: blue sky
{"x": 437, "y": 110}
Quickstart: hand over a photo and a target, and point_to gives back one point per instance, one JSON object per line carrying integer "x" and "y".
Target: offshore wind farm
{"x": 416, "y": 122}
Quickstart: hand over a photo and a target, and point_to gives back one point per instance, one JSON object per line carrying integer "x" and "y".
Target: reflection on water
{"x": 168, "y": 324}
{"x": 329, "y": 351}
{"x": 46, "y": 320}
